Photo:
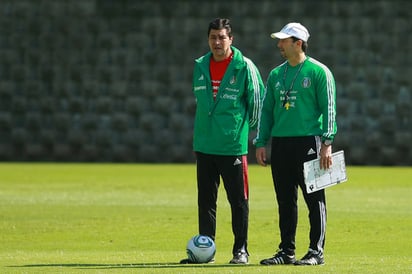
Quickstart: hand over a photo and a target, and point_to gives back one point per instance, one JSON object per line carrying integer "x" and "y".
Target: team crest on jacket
{"x": 306, "y": 82}
{"x": 233, "y": 80}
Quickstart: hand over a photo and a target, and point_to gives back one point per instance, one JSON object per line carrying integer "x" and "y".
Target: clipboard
{"x": 317, "y": 179}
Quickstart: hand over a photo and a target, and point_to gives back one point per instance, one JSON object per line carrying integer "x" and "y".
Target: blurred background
{"x": 110, "y": 80}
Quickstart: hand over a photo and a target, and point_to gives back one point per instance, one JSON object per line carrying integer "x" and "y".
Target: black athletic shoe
{"x": 313, "y": 257}
{"x": 279, "y": 258}
{"x": 240, "y": 258}
{"x": 188, "y": 261}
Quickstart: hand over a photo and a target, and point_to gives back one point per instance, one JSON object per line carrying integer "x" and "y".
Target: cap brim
{"x": 280, "y": 35}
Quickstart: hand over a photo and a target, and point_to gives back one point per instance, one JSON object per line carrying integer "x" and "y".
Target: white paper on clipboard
{"x": 316, "y": 178}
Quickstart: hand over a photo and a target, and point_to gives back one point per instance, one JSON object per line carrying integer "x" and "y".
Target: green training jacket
{"x": 222, "y": 126}
{"x": 309, "y": 109}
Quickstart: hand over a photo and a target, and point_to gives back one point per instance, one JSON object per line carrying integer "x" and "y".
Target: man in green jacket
{"x": 228, "y": 90}
{"x": 299, "y": 116}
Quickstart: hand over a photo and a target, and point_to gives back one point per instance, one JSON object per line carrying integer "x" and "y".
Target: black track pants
{"x": 233, "y": 170}
{"x": 287, "y": 158}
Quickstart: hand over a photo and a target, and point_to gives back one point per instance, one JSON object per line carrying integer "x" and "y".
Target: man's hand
{"x": 325, "y": 156}
{"x": 261, "y": 156}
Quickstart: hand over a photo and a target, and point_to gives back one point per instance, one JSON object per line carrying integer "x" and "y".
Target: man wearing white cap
{"x": 299, "y": 116}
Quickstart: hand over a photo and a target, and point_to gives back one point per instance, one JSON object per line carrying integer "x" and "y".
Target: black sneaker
{"x": 279, "y": 258}
{"x": 240, "y": 258}
{"x": 188, "y": 261}
{"x": 313, "y": 257}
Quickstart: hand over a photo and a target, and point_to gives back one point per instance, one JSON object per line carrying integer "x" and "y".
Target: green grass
{"x": 136, "y": 218}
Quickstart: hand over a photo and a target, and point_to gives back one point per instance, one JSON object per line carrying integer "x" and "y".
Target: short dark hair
{"x": 304, "y": 44}
{"x": 220, "y": 23}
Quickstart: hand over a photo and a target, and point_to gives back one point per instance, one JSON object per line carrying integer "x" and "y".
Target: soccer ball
{"x": 201, "y": 249}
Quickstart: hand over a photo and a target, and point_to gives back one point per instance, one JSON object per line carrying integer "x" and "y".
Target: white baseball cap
{"x": 292, "y": 30}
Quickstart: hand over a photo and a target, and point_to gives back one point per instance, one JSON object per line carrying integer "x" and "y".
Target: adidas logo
{"x": 311, "y": 151}
{"x": 237, "y": 162}
{"x": 201, "y": 78}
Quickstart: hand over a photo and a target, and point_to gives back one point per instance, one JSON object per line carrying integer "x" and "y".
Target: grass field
{"x": 136, "y": 218}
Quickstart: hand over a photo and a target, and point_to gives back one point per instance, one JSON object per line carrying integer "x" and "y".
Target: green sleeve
{"x": 327, "y": 103}
{"x": 265, "y": 124}
{"x": 254, "y": 95}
